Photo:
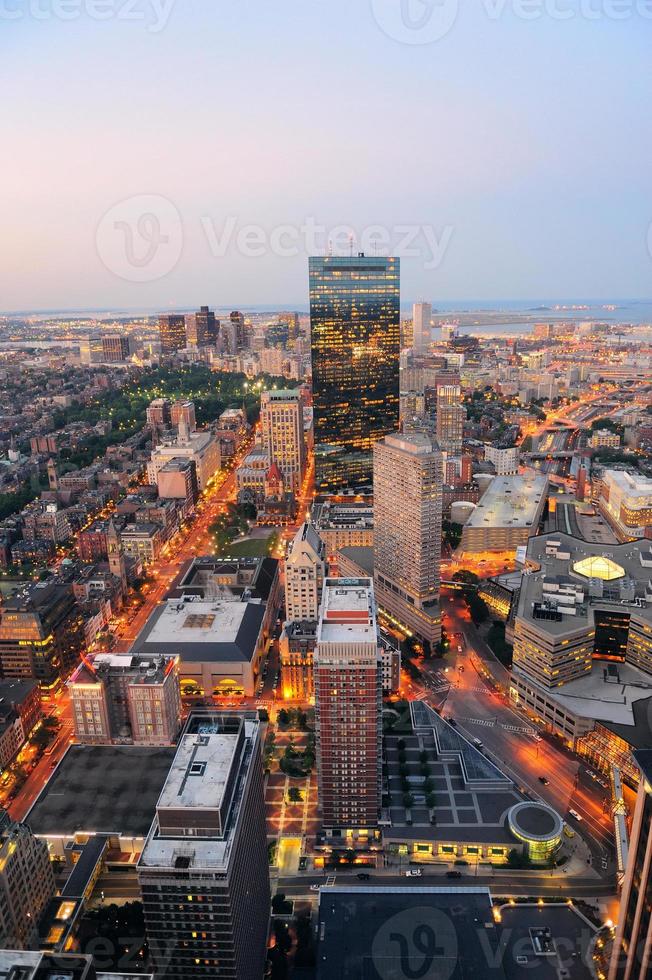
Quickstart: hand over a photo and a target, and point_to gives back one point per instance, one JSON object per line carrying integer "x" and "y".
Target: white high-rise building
{"x": 305, "y": 570}
{"x": 421, "y": 320}
{"x": 408, "y": 477}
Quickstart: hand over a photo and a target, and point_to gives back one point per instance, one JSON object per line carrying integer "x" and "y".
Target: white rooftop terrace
{"x": 509, "y": 501}
{"x": 198, "y": 621}
{"x": 347, "y": 612}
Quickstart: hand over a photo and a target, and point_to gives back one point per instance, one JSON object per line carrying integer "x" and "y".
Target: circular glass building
{"x": 538, "y": 827}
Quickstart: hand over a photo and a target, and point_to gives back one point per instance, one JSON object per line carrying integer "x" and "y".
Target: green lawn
{"x": 252, "y": 547}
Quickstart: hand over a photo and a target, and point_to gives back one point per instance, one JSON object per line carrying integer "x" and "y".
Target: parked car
{"x": 453, "y": 874}
{"x": 363, "y": 876}
{"x": 414, "y": 873}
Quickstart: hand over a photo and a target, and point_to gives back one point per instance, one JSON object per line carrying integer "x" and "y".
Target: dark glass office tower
{"x": 355, "y": 326}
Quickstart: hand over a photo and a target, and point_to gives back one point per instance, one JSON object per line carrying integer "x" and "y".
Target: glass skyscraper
{"x": 355, "y": 328}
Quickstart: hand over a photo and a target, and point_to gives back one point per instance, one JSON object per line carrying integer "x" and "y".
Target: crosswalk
{"x": 491, "y": 723}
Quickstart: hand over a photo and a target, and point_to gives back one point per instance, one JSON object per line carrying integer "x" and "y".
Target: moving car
{"x": 575, "y": 814}
{"x": 453, "y": 874}
{"x": 544, "y": 780}
{"x": 363, "y": 876}
{"x": 414, "y": 873}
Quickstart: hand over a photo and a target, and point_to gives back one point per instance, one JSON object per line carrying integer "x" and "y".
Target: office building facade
{"x": 421, "y": 321}
{"x": 305, "y": 571}
{"x": 172, "y": 329}
{"x": 202, "y": 328}
{"x": 204, "y": 872}
{"x": 632, "y": 949}
{"x": 41, "y": 634}
{"x": 407, "y": 531}
{"x": 281, "y": 422}
{"x": 347, "y": 678}
{"x": 26, "y": 884}
{"x": 355, "y": 328}
{"x": 177, "y": 480}
{"x": 450, "y": 418}
{"x": 115, "y": 348}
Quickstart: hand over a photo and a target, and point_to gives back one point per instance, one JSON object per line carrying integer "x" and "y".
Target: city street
{"x": 187, "y": 544}
{"x": 478, "y": 703}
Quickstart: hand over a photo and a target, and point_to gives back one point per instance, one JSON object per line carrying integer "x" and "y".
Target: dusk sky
{"x": 509, "y": 158}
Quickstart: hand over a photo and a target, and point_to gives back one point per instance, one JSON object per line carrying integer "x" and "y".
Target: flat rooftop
{"x": 362, "y": 557}
{"x": 136, "y": 668}
{"x": 102, "y": 789}
{"x": 634, "y": 484}
{"x": 570, "y": 936}
{"x": 509, "y": 501}
{"x": 605, "y": 698}
{"x": 343, "y": 517}
{"x": 365, "y": 932}
{"x": 199, "y": 774}
{"x": 347, "y": 612}
{"x": 208, "y": 630}
{"x": 628, "y": 592}
{"x": 230, "y": 743}
{"x": 415, "y": 443}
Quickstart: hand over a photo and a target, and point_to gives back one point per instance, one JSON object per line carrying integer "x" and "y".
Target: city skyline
{"x": 326, "y": 594}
